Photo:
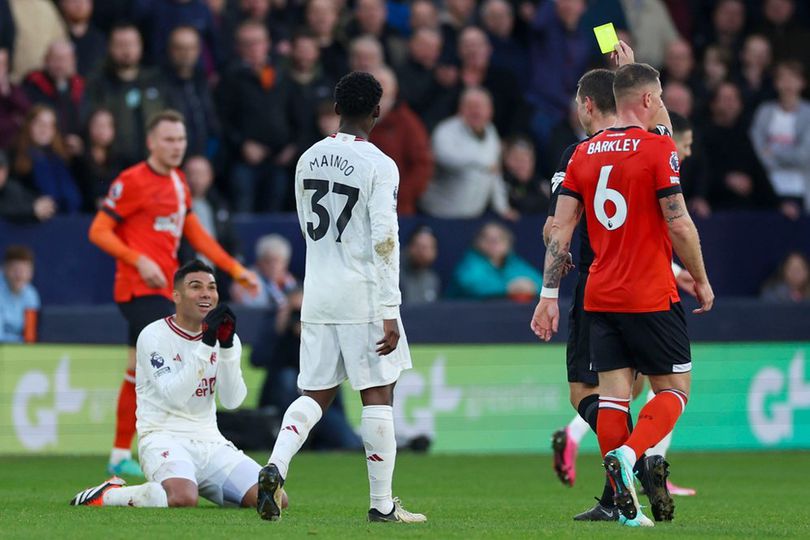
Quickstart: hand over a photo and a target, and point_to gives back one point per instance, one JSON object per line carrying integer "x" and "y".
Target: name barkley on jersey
{"x": 619, "y": 145}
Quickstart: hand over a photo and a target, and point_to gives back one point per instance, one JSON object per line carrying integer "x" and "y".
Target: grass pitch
{"x": 752, "y": 495}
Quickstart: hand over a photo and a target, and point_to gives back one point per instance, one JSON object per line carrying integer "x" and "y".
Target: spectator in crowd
{"x": 679, "y": 98}
{"x": 209, "y": 207}
{"x": 467, "y": 151}
{"x": 89, "y": 42}
{"x": 19, "y": 300}
{"x": 59, "y": 87}
{"x": 421, "y": 69}
{"x": 652, "y": 30}
{"x": 309, "y": 87}
{"x": 18, "y": 204}
{"x": 321, "y": 17}
{"x": 98, "y": 165}
{"x": 109, "y": 13}
{"x": 728, "y": 21}
{"x": 475, "y": 54}
{"x": 273, "y": 15}
{"x": 716, "y": 69}
{"x": 786, "y": 32}
{"x": 370, "y": 19}
{"x": 37, "y": 24}
{"x": 694, "y": 170}
{"x": 254, "y": 106}
{"x": 158, "y": 18}
{"x": 278, "y": 351}
{"x": 498, "y": 20}
{"x": 737, "y": 178}
{"x": 754, "y": 76}
{"x": 424, "y": 14}
{"x": 273, "y": 253}
{"x": 791, "y": 282}
{"x": 133, "y": 93}
{"x": 419, "y": 282}
{"x": 41, "y": 160}
{"x": 13, "y": 103}
{"x": 679, "y": 64}
{"x": 457, "y": 15}
{"x": 491, "y": 269}
{"x": 187, "y": 90}
{"x": 402, "y": 136}
{"x": 365, "y": 54}
{"x": 528, "y": 191}
{"x": 781, "y": 136}
{"x": 559, "y": 45}
{"x": 565, "y": 133}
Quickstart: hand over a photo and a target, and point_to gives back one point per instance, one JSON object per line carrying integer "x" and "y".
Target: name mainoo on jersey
{"x": 332, "y": 160}
{"x": 619, "y": 145}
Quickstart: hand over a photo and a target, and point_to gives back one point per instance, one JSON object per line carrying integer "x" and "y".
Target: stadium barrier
{"x": 60, "y": 399}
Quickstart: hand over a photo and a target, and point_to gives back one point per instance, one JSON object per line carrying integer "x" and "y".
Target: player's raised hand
{"x": 150, "y": 272}
{"x": 546, "y": 319}
{"x": 623, "y": 54}
{"x": 390, "y": 338}
{"x": 704, "y": 295}
{"x": 227, "y": 328}
{"x": 247, "y": 279}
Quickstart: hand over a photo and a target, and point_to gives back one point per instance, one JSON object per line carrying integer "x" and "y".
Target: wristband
{"x": 546, "y": 292}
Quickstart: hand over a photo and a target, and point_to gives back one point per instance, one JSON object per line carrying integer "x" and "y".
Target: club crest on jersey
{"x": 673, "y": 162}
{"x": 156, "y": 360}
{"x": 213, "y": 358}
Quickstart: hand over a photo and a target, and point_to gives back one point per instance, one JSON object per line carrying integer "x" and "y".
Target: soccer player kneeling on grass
{"x": 182, "y": 361}
{"x": 346, "y": 195}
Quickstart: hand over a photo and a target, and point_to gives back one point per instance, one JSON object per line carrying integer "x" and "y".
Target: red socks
{"x": 125, "y": 418}
{"x": 611, "y": 423}
{"x": 656, "y": 419}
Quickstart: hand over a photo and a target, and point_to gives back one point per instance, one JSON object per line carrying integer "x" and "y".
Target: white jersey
{"x": 175, "y": 380}
{"x": 346, "y": 196}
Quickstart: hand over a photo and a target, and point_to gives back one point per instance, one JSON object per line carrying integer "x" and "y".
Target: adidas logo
{"x": 374, "y": 457}
{"x": 292, "y": 428}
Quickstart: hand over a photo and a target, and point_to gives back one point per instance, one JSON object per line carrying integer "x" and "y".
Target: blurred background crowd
{"x": 478, "y": 106}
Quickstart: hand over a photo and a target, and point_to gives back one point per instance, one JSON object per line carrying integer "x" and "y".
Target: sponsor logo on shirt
{"x": 673, "y": 162}
{"x": 170, "y": 224}
{"x": 156, "y": 360}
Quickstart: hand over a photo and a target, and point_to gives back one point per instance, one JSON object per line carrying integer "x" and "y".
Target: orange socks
{"x": 125, "y": 418}
{"x": 611, "y": 423}
{"x": 655, "y": 420}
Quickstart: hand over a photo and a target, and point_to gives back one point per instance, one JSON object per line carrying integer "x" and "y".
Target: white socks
{"x": 577, "y": 428}
{"x": 661, "y": 448}
{"x": 300, "y": 418}
{"x": 149, "y": 495}
{"x": 377, "y": 430}
{"x": 117, "y": 455}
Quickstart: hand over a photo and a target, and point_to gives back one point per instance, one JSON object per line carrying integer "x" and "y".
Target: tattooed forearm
{"x": 556, "y": 260}
{"x": 674, "y": 209}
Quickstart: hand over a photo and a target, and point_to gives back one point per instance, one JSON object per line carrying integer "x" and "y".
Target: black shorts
{"x": 577, "y": 353}
{"x": 654, "y": 343}
{"x": 142, "y": 311}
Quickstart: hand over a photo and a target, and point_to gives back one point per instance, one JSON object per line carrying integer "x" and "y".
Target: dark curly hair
{"x": 357, "y": 94}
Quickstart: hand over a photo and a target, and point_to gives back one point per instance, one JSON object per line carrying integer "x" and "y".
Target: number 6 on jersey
{"x": 605, "y": 194}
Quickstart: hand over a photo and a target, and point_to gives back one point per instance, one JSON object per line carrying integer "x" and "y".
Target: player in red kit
{"x": 627, "y": 181}
{"x": 141, "y": 222}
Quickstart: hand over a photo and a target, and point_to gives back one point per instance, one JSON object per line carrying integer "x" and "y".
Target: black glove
{"x": 227, "y": 328}
{"x": 211, "y": 324}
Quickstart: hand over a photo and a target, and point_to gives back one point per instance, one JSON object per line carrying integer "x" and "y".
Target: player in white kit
{"x": 346, "y": 196}
{"x": 182, "y": 361}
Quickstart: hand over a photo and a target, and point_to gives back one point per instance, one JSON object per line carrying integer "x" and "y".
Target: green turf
{"x": 753, "y": 495}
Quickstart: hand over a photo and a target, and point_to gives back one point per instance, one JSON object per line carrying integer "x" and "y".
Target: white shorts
{"x": 222, "y": 472}
{"x": 332, "y": 353}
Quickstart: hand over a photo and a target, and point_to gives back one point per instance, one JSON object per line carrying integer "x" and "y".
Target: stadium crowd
{"x": 477, "y": 107}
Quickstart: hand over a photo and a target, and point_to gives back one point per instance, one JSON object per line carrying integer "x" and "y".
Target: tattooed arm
{"x": 686, "y": 242}
{"x": 558, "y": 258}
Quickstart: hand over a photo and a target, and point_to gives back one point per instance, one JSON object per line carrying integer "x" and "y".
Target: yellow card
{"x": 606, "y": 37}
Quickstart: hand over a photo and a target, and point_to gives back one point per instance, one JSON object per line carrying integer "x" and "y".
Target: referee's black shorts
{"x": 578, "y": 351}
{"x": 654, "y": 343}
{"x": 142, "y": 311}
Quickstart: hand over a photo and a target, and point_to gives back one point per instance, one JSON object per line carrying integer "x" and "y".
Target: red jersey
{"x": 619, "y": 175}
{"x": 150, "y": 209}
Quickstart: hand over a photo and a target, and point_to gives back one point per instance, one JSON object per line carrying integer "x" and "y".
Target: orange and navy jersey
{"x": 150, "y": 209}
{"x": 620, "y": 175}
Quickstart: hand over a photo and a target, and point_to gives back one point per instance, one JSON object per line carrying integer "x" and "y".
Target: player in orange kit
{"x": 146, "y": 213}
{"x": 627, "y": 181}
